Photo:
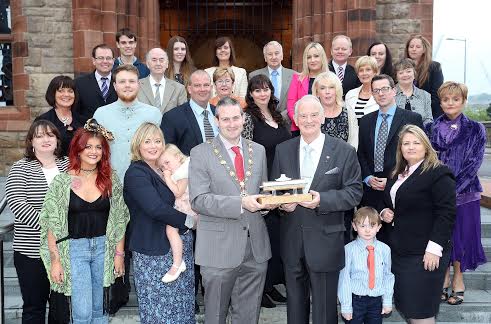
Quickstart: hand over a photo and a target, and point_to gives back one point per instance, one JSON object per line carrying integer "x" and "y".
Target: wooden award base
{"x": 284, "y": 199}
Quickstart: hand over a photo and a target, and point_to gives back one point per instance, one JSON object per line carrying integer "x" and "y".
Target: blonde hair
{"x": 221, "y": 71}
{"x": 366, "y": 61}
{"x": 331, "y": 79}
{"x": 367, "y": 212}
{"x": 453, "y": 88}
{"x": 305, "y": 67}
{"x": 431, "y": 158}
{"x": 423, "y": 66}
{"x": 142, "y": 133}
{"x": 174, "y": 150}
{"x": 342, "y": 36}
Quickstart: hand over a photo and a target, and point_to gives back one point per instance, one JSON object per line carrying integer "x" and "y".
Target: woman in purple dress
{"x": 460, "y": 144}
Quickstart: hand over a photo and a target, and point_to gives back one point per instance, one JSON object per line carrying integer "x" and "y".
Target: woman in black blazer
{"x": 151, "y": 206}
{"x": 420, "y": 201}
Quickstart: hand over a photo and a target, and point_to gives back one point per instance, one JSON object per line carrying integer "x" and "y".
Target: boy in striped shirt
{"x": 366, "y": 283}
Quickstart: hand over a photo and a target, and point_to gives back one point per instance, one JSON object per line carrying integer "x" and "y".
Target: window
{"x": 6, "y": 90}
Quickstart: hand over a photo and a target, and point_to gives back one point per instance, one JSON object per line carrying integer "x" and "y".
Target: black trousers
{"x": 275, "y": 274}
{"x": 34, "y": 287}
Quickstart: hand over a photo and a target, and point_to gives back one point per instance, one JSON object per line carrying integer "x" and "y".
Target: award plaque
{"x": 284, "y": 183}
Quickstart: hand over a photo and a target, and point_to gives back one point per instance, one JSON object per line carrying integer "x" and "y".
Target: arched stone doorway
{"x": 250, "y": 25}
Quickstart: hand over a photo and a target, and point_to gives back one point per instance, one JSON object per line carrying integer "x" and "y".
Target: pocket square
{"x": 333, "y": 171}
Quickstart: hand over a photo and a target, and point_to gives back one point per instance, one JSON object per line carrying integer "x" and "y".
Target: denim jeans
{"x": 87, "y": 267}
{"x": 366, "y": 310}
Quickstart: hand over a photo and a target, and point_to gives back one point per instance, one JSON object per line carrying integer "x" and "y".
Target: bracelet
{"x": 121, "y": 254}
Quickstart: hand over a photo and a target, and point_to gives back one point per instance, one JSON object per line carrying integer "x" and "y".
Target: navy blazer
{"x": 151, "y": 206}
{"x": 90, "y": 96}
{"x": 181, "y": 128}
{"x": 350, "y": 79}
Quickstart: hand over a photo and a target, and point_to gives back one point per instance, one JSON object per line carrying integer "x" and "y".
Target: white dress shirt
{"x": 99, "y": 77}
{"x": 317, "y": 145}
{"x": 336, "y": 67}
{"x": 154, "y": 88}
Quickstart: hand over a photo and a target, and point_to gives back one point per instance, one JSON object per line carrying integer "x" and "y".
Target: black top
{"x": 66, "y": 132}
{"x": 435, "y": 80}
{"x": 337, "y": 126}
{"x": 311, "y": 82}
{"x": 269, "y": 137}
{"x": 87, "y": 219}
{"x": 178, "y": 77}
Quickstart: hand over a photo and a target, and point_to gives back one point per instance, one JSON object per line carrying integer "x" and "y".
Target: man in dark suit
{"x": 312, "y": 246}
{"x": 378, "y": 136}
{"x": 341, "y": 49}
{"x": 280, "y": 76}
{"x": 96, "y": 89}
{"x": 192, "y": 123}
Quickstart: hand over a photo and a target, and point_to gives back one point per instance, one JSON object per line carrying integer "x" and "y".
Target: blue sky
{"x": 467, "y": 19}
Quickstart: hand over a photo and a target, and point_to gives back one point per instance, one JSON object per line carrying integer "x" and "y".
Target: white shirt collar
{"x": 336, "y": 66}
{"x": 153, "y": 82}
{"x": 270, "y": 70}
{"x": 317, "y": 144}
{"x": 228, "y": 145}
{"x": 98, "y": 77}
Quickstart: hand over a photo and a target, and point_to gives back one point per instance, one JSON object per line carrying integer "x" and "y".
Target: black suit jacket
{"x": 181, "y": 128}
{"x": 435, "y": 80}
{"x": 424, "y": 210}
{"x": 366, "y": 146}
{"x": 90, "y": 95}
{"x": 350, "y": 80}
{"x": 318, "y": 234}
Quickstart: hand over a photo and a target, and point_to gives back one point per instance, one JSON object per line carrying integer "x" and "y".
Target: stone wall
{"x": 398, "y": 19}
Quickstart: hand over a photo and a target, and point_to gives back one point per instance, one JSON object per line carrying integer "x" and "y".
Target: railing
{"x": 5, "y": 228}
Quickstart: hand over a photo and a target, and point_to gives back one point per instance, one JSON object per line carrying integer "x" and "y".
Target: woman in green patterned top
{"x": 83, "y": 223}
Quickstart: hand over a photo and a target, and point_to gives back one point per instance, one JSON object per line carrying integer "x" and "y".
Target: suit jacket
{"x": 420, "y": 102}
{"x": 297, "y": 90}
{"x": 181, "y": 128}
{"x": 435, "y": 80}
{"x": 90, "y": 95}
{"x": 318, "y": 234}
{"x": 286, "y": 79}
{"x": 174, "y": 94}
{"x": 222, "y": 231}
{"x": 366, "y": 147}
{"x": 424, "y": 210}
{"x": 151, "y": 206}
{"x": 350, "y": 80}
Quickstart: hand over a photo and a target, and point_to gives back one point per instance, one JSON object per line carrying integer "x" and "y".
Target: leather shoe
{"x": 276, "y": 296}
{"x": 171, "y": 277}
{"x": 266, "y": 302}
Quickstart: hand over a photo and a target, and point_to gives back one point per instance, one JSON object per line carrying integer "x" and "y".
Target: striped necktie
{"x": 209, "y": 134}
{"x": 158, "y": 103}
{"x": 340, "y": 73}
{"x": 104, "y": 88}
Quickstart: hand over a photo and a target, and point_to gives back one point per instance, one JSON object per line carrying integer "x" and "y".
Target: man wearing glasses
{"x": 157, "y": 90}
{"x": 378, "y": 136}
{"x": 96, "y": 89}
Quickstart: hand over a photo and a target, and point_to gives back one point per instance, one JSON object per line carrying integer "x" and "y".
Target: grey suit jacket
{"x": 286, "y": 78}
{"x": 317, "y": 234}
{"x": 174, "y": 94}
{"x": 221, "y": 235}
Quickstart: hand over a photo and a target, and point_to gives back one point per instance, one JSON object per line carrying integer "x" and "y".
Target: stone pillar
{"x": 398, "y": 19}
{"x": 321, "y": 20}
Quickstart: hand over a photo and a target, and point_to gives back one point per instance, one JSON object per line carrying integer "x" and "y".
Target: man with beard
{"x": 122, "y": 118}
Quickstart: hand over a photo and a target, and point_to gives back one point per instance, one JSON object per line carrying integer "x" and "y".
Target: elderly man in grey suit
{"x": 312, "y": 246}
{"x": 156, "y": 90}
{"x": 280, "y": 76}
{"x": 232, "y": 243}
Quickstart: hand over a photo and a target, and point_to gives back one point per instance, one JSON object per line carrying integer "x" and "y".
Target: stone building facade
{"x": 51, "y": 37}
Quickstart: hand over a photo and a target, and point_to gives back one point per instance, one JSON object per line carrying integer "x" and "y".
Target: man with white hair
{"x": 156, "y": 90}
{"x": 312, "y": 245}
{"x": 280, "y": 76}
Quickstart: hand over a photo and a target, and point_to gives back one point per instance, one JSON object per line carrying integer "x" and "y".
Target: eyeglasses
{"x": 226, "y": 81}
{"x": 306, "y": 116}
{"x": 106, "y": 58}
{"x": 383, "y": 90}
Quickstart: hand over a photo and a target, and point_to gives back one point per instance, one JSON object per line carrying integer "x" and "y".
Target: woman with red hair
{"x": 83, "y": 223}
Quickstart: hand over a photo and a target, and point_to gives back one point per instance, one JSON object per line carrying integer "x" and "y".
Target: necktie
{"x": 383, "y": 133}
{"x": 209, "y": 134}
{"x": 104, "y": 88}
{"x": 238, "y": 163}
{"x": 158, "y": 103}
{"x": 274, "y": 80}
{"x": 371, "y": 266}
{"x": 308, "y": 169}
{"x": 340, "y": 73}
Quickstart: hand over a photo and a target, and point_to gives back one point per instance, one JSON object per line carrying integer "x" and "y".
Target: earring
{"x": 33, "y": 150}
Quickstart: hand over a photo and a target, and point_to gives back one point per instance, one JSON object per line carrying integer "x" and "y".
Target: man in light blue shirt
{"x": 124, "y": 116}
{"x": 366, "y": 283}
